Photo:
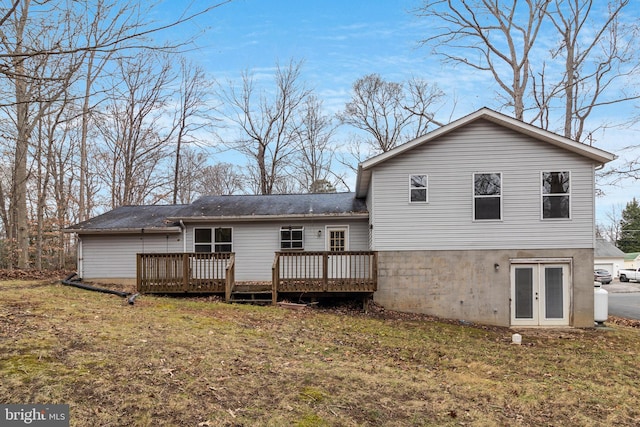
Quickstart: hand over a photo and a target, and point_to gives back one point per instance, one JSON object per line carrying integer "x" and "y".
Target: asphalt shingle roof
{"x": 130, "y": 217}
{"x": 274, "y": 205}
{"x": 605, "y": 249}
{"x": 163, "y": 216}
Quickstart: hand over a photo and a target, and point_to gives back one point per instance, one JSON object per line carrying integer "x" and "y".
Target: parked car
{"x": 602, "y": 276}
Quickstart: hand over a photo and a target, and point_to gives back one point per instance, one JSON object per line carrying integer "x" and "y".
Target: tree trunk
{"x": 20, "y": 175}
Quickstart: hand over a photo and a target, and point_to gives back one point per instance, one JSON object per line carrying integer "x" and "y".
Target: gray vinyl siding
{"x": 369, "y": 201}
{"x": 255, "y": 243}
{"x": 114, "y": 256}
{"x": 446, "y": 221}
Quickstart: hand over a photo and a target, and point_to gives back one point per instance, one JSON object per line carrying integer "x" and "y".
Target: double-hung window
{"x": 212, "y": 240}
{"x": 556, "y": 195}
{"x": 291, "y": 238}
{"x": 487, "y": 196}
{"x": 418, "y": 190}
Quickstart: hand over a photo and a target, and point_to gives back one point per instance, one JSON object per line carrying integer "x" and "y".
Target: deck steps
{"x": 252, "y": 294}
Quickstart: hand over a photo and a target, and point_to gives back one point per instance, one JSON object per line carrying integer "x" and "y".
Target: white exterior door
{"x": 338, "y": 241}
{"x": 540, "y": 294}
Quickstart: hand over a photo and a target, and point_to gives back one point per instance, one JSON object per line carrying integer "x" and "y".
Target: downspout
{"x": 184, "y": 236}
{"x": 71, "y": 280}
{"x": 80, "y": 260}
{"x": 595, "y": 169}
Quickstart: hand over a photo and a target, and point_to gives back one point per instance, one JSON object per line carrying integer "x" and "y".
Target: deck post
{"x": 325, "y": 271}
{"x": 374, "y": 273}
{"x": 138, "y": 272}
{"x": 275, "y": 279}
{"x": 229, "y": 278}
{"x": 185, "y": 272}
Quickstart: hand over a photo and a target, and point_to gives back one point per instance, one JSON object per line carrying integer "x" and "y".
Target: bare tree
{"x": 192, "y": 113}
{"x": 592, "y": 63}
{"x": 64, "y": 183}
{"x": 598, "y": 52}
{"x": 45, "y": 146}
{"x": 490, "y": 36}
{"x": 133, "y": 132}
{"x": 193, "y": 166}
{"x": 37, "y": 83}
{"x": 590, "y": 66}
{"x": 111, "y": 29}
{"x": 315, "y": 153}
{"x": 108, "y": 21}
{"x": 135, "y": 23}
{"x": 610, "y": 229}
{"x": 267, "y": 122}
{"x": 220, "y": 179}
{"x": 389, "y": 112}
{"x": 39, "y": 62}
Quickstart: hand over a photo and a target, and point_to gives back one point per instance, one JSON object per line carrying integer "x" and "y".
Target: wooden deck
{"x": 319, "y": 273}
{"x": 354, "y": 271}
{"x": 169, "y": 273}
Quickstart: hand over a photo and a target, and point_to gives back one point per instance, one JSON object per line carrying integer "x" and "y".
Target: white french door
{"x": 540, "y": 294}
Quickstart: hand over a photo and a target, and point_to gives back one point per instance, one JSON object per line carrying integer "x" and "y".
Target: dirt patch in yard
{"x": 623, "y": 321}
{"x": 30, "y": 274}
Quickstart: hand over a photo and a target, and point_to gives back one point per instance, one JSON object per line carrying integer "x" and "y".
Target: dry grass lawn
{"x": 198, "y": 362}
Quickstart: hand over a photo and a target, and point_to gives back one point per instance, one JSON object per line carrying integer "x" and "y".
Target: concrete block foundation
{"x": 475, "y": 285}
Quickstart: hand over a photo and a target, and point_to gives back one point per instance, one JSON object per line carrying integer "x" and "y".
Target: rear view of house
{"x": 486, "y": 219}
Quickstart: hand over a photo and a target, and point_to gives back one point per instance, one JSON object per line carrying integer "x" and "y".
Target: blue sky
{"x": 341, "y": 41}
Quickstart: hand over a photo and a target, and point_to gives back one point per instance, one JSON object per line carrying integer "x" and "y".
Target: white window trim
{"x": 328, "y": 228}
{"x": 291, "y": 228}
{"x": 213, "y": 243}
{"x": 426, "y": 188}
{"x": 542, "y": 196}
{"x": 473, "y": 195}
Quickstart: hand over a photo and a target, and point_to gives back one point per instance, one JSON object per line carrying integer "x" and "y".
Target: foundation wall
{"x": 467, "y": 285}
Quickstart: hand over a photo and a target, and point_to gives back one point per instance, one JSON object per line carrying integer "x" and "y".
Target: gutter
{"x": 153, "y": 230}
{"x": 246, "y": 218}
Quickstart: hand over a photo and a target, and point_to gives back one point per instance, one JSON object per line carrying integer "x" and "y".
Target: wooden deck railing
{"x": 292, "y": 272}
{"x": 185, "y": 272}
{"x": 351, "y": 271}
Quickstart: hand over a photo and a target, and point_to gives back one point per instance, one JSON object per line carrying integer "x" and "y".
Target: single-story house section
{"x": 252, "y": 227}
{"x": 632, "y": 260}
{"x": 487, "y": 219}
{"x": 608, "y": 257}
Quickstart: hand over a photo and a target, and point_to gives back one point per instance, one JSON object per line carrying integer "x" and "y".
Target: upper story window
{"x": 212, "y": 240}
{"x": 556, "y": 195}
{"x": 418, "y": 192}
{"x": 487, "y": 196}
{"x": 291, "y": 238}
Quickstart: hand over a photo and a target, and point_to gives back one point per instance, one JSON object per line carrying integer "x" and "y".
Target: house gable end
{"x": 597, "y": 156}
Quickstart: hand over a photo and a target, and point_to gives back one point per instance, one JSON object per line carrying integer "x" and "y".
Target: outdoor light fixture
{"x": 319, "y": 232}
{"x": 496, "y": 266}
